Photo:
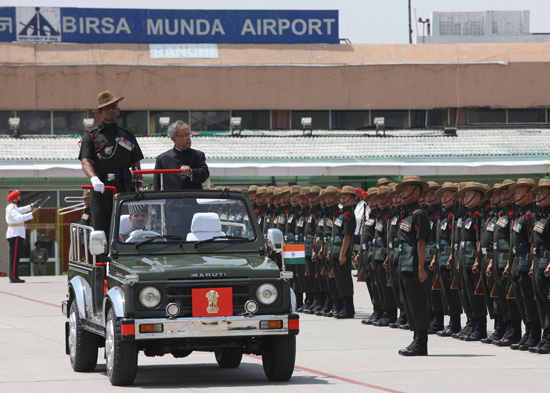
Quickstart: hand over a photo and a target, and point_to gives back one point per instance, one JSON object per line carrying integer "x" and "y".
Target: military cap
{"x": 543, "y": 183}
{"x": 447, "y": 186}
{"x": 523, "y": 182}
{"x": 472, "y": 186}
{"x": 412, "y": 180}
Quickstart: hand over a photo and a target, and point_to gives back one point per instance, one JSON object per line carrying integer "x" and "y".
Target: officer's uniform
{"x": 112, "y": 151}
{"x": 320, "y": 271}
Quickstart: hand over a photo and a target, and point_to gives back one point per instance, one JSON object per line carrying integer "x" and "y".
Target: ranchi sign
{"x": 53, "y": 24}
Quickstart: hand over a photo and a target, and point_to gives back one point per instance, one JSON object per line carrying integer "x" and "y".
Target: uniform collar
{"x": 411, "y": 207}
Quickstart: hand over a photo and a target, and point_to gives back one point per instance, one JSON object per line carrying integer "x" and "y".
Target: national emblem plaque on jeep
{"x": 175, "y": 276}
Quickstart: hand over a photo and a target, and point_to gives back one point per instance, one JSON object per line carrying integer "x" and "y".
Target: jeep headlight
{"x": 150, "y": 297}
{"x": 267, "y": 294}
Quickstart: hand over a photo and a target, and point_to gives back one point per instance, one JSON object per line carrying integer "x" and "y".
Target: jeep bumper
{"x": 235, "y": 326}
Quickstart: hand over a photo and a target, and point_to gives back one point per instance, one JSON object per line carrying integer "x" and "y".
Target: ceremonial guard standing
{"x": 329, "y": 196}
{"x": 380, "y": 252}
{"x": 344, "y": 228}
{"x": 469, "y": 263}
{"x": 431, "y": 201}
{"x": 319, "y": 221}
{"x": 540, "y": 270}
{"x": 413, "y": 234}
{"x": 392, "y": 263}
{"x": 367, "y": 238}
{"x": 502, "y": 253}
{"x": 518, "y": 267}
{"x": 445, "y": 224}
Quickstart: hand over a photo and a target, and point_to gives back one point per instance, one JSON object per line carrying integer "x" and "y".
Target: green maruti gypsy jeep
{"x": 183, "y": 271}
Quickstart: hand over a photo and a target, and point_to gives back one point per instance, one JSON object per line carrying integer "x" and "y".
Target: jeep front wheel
{"x": 278, "y": 357}
{"x": 228, "y": 357}
{"x": 121, "y": 356}
{"x": 82, "y": 343}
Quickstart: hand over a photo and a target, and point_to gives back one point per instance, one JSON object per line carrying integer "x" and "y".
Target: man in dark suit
{"x": 194, "y": 172}
{"x": 192, "y": 163}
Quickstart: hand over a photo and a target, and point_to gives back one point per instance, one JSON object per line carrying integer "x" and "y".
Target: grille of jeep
{"x": 182, "y": 295}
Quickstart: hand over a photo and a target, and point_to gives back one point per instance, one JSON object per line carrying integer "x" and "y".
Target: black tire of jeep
{"x": 228, "y": 357}
{"x": 121, "y": 356}
{"x": 278, "y": 357}
{"x": 82, "y": 343}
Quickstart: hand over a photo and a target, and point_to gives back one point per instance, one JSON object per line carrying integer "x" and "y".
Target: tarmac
{"x": 332, "y": 356}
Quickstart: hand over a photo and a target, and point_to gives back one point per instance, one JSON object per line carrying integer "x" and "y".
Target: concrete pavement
{"x": 333, "y": 356}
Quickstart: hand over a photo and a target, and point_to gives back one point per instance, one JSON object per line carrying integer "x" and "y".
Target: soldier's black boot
{"x": 299, "y": 301}
{"x": 534, "y": 336}
{"x": 545, "y": 339}
{"x": 524, "y": 339}
{"x": 479, "y": 330}
{"x": 465, "y": 331}
{"x": 388, "y": 317}
{"x": 436, "y": 324}
{"x": 326, "y": 307}
{"x": 497, "y": 333}
{"x": 512, "y": 335}
{"x": 401, "y": 320}
{"x": 375, "y": 316}
{"x": 452, "y": 327}
{"x": 322, "y": 298}
{"x": 419, "y": 346}
{"x": 348, "y": 311}
{"x": 336, "y": 308}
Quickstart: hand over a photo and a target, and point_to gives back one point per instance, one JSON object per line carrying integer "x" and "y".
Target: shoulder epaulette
{"x": 414, "y": 212}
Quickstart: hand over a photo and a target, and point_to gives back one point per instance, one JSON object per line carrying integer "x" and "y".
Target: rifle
{"x": 510, "y": 259}
{"x": 454, "y": 284}
{"x": 436, "y": 286}
{"x": 386, "y": 252}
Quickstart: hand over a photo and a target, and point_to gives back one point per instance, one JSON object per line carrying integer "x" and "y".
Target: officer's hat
{"x": 136, "y": 208}
{"x": 506, "y": 184}
{"x": 330, "y": 190}
{"x": 382, "y": 182}
{"x": 491, "y": 191}
{"x": 304, "y": 192}
{"x": 106, "y": 98}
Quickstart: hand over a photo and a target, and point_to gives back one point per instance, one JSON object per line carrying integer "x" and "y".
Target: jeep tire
{"x": 278, "y": 357}
{"x": 82, "y": 343}
{"x": 228, "y": 357}
{"x": 121, "y": 356}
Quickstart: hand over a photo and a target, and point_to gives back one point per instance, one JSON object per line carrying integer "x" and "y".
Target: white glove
{"x": 98, "y": 185}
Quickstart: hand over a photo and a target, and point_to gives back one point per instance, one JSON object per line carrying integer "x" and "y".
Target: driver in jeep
{"x": 138, "y": 218}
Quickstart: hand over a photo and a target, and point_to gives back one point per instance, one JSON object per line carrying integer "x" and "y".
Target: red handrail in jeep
{"x": 107, "y": 188}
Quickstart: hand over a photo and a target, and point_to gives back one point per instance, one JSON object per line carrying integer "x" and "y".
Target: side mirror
{"x": 275, "y": 240}
{"x": 98, "y": 242}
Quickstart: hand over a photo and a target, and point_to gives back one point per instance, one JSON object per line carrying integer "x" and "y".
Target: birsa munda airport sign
{"x": 54, "y": 24}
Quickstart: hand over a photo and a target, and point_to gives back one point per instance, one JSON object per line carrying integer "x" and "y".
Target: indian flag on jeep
{"x": 294, "y": 254}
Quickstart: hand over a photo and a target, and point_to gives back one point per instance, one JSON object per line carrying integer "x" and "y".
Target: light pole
{"x": 423, "y": 21}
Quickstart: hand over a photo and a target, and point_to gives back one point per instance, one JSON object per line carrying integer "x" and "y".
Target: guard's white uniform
{"x": 15, "y": 218}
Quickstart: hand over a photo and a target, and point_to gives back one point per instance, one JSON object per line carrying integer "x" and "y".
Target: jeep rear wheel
{"x": 82, "y": 343}
{"x": 228, "y": 357}
{"x": 278, "y": 357}
{"x": 121, "y": 356}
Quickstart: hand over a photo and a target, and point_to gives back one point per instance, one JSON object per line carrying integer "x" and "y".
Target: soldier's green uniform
{"x": 449, "y": 297}
{"x": 413, "y": 229}
{"x": 541, "y": 250}
{"x": 522, "y": 229}
{"x": 503, "y": 247}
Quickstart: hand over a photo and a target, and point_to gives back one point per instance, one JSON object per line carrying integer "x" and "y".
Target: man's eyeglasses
{"x": 188, "y": 135}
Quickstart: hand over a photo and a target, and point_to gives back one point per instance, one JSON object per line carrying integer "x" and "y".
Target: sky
{"x": 361, "y": 21}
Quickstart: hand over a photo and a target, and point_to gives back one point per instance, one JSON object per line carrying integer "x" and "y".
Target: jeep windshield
{"x": 184, "y": 220}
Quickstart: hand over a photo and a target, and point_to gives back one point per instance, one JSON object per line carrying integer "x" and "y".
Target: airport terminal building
{"x": 451, "y": 111}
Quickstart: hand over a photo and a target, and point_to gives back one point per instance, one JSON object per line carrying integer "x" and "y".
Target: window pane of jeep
{"x": 184, "y": 219}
